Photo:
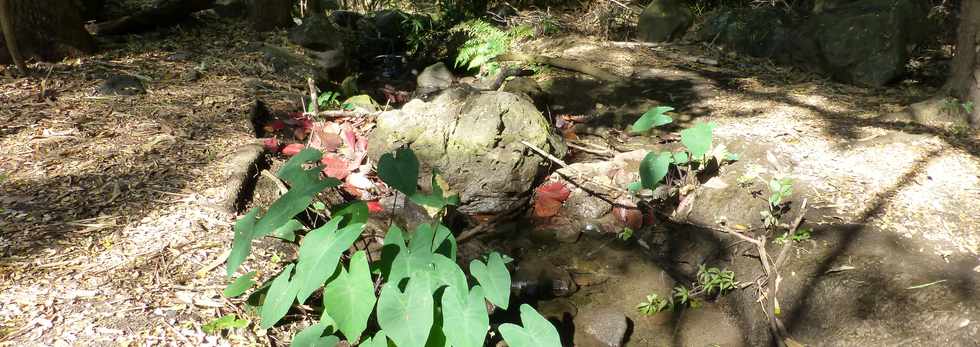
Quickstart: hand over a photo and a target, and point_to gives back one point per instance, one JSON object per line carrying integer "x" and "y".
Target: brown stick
{"x": 8, "y": 35}
{"x": 562, "y": 63}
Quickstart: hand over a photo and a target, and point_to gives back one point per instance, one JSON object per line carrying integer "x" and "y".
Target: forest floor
{"x": 110, "y": 225}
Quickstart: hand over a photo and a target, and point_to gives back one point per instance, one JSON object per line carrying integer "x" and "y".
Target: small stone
{"x": 434, "y": 78}
{"x": 121, "y": 85}
{"x": 602, "y": 327}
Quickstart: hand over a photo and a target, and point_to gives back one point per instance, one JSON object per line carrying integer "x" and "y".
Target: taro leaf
{"x": 394, "y": 244}
{"x": 379, "y": 340}
{"x": 634, "y": 187}
{"x": 400, "y": 171}
{"x": 681, "y": 158}
{"x": 242, "y": 244}
{"x": 305, "y": 184}
{"x": 311, "y": 337}
{"x": 288, "y": 231}
{"x": 407, "y": 316}
{"x": 239, "y": 286}
{"x": 444, "y": 242}
{"x": 280, "y": 297}
{"x": 349, "y": 298}
{"x": 698, "y": 139}
{"x": 450, "y": 274}
{"x": 229, "y": 321}
{"x": 434, "y": 240}
{"x": 437, "y": 199}
{"x": 320, "y": 253}
{"x": 436, "y": 337}
{"x": 653, "y": 118}
{"x": 654, "y": 168}
{"x": 408, "y": 264}
{"x": 494, "y": 278}
{"x": 465, "y": 320}
{"x": 536, "y": 332}
{"x": 357, "y": 210}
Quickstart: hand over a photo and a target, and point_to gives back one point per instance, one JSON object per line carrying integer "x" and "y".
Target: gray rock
{"x": 603, "y": 327}
{"x": 121, "y": 85}
{"x": 296, "y": 66}
{"x": 474, "y": 139}
{"x": 865, "y": 42}
{"x": 761, "y": 32}
{"x": 664, "y": 20}
{"x": 345, "y": 19}
{"x": 229, "y": 8}
{"x": 316, "y": 33}
{"x": 434, "y": 78}
{"x": 190, "y": 75}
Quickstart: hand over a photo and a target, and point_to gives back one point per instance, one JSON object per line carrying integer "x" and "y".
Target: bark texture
{"x": 45, "y": 31}
{"x": 962, "y": 83}
{"x": 269, "y": 15}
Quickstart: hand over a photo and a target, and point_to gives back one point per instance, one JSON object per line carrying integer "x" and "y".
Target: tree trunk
{"x": 958, "y": 102}
{"x": 963, "y": 83}
{"x": 268, "y": 15}
{"x": 45, "y": 31}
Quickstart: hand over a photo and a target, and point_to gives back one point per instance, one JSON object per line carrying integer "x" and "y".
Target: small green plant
{"x": 626, "y": 234}
{"x": 654, "y": 304}
{"x": 326, "y": 100}
{"x": 799, "y": 236}
{"x": 225, "y": 322}
{"x": 698, "y": 150}
{"x": 779, "y": 190}
{"x": 711, "y": 282}
{"x": 424, "y": 294}
{"x": 485, "y": 43}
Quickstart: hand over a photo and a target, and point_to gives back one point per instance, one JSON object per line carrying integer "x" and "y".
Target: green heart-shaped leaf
{"x": 320, "y": 253}
{"x": 653, "y": 118}
{"x": 406, "y": 317}
{"x": 349, "y": 298}
{"x": 465, "y": 319}
{"x": 698, "y": 139}
{"x": 239, "y": 286}
{"x": 400, "y": 171}
{"x": 280, "y": 297}
{"x": 494, "y": 278}
{"x": 654, "y": 168}
{"x": 311, "y": 337}
{"x": 536, "y": 332}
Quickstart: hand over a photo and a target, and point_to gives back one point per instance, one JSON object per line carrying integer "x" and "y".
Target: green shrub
{"x": 425, "y": 297}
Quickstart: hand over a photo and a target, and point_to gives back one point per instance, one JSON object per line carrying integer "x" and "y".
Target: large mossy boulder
{"x": 759, "y": 32}
{"x": 474, "y": 139}
{"x": 663, "y": 21}
{"x": 316, "y": 33}
{"x": 863, "y": 42}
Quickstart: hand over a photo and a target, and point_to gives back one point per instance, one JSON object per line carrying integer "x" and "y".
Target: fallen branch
{"x": 611, "y": 194}
{"x": 562, "y": 63}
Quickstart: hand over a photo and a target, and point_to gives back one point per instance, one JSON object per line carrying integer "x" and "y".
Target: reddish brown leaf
{"x": 271, "y": 145}
{"x": 292, "y": 149}
{"x": 374, "y": 206}
{"x": 323, "y": 136}
{"x": 274, "y": 125}
{"x": 334, "y": 166}
{"x": 548, "y": 199}
{"x": 553, "y": 190}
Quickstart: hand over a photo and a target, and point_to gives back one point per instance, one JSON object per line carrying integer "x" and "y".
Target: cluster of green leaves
{"x": 329, "y": 99}
{"x": 779, "y": 190}
{"x": 485, "y": 43}
{"x": 425, "y": 297}
{"x": 711, "y": 282}
{"x": 800, "y": 235}
{"x": 697, "y": 142}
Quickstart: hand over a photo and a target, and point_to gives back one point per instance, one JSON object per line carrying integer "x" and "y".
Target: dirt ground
{"x": 110, "y": 230}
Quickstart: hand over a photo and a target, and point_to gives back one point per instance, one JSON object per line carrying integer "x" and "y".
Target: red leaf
{"x": 271, "y": 144}
{"x": 292, "y": 149}
{"x": 324, "y": 137}
{"x": 274, "y": 125}
{"x": 553, "y": 190}
{"x": 374, "y": 207}
{"x": 548, "y": 199}
{"x": 334, "y": 166}
{"x": 545, "y": 207}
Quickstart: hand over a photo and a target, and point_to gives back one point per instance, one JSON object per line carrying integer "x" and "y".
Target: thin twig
{"x": 792, "y": 230}
{"x": 313, "y": 101}
{"x": 282, "y": 186}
